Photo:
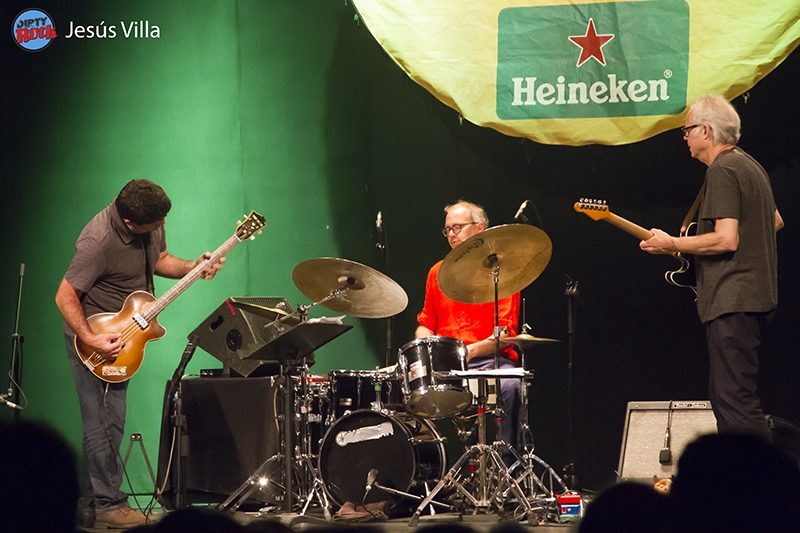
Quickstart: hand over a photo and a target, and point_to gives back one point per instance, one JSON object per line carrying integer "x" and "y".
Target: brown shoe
{"x": 120, "y": 518}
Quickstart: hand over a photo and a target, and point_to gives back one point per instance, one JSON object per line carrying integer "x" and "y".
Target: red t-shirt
{"x": 467, "y": 322}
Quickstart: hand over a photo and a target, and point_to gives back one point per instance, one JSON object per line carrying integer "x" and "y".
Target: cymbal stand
{"x": 527, "y": 461}
{"x": 316, "y": 489}
{"x": 490, "y": 466}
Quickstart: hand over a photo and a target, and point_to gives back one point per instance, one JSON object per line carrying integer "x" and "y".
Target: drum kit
{"x": 368, "y": 436}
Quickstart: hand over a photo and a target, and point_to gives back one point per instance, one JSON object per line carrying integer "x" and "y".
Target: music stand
{"x": 298, "y": 342}
{"x": 289, "y": 348}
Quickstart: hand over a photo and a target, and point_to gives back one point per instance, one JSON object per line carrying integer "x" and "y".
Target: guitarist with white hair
{"x": 117, "y": 253}
{"x": 735, "y": 254}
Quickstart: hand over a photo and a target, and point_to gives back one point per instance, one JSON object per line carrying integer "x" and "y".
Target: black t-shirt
{"x": 746, "y": 280}
{"x": 110, "y": 262}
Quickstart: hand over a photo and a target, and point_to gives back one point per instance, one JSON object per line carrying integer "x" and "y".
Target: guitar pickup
{"x": 140, "y": 321}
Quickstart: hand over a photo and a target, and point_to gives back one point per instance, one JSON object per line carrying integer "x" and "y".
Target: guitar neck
{"x": 628, "y": 226}
{"x": 186, "y": 281}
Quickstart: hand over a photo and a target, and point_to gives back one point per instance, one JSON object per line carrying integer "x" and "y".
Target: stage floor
{"x": 479, "y": 523}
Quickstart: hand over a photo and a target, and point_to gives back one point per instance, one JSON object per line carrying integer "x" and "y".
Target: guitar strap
{"x": 148, "y": 269}
{"x": 693, "y": 210}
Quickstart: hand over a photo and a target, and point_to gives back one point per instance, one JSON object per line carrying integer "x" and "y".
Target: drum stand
{"x": 527, "y": 461}
{"x": 291, "y": 348}
{"x": 490, "y": 468}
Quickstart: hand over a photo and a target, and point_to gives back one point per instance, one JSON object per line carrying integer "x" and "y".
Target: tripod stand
{"x": 527, "y": 462}
{"x": 290, "y": 348}
{"x": 290, "y": 480}
{"x": 491, "y": 476}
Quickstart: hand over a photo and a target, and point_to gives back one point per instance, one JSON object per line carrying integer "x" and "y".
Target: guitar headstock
{"x": 594, "y": 209}
{"x": 252, "y": 224}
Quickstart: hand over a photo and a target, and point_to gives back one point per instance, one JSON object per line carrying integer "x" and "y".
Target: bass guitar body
{"x": 134, "y": 337}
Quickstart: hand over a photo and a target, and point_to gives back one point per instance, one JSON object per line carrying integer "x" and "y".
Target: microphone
{"x": 379, "y": 222}
{"x": 665, "y": 455}
{"x": 10, "y": 404}
{"x": 22, "y": 270}
{"x": 371, "y": 475}
{"x": 520, "y": 215}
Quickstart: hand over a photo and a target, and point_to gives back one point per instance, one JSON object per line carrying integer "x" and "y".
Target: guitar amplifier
{"x": 646, "y": 452}
{"x": 239, "y": 327}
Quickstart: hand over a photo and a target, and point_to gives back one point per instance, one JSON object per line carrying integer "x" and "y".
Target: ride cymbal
{"x": 364, "y": 292}
{"x": 521, "y": 251}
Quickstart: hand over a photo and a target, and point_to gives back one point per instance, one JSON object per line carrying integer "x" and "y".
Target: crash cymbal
{"x": 521, "y": 250}
{"x": 523, "y": 340}
{"x": 369, "y": 294}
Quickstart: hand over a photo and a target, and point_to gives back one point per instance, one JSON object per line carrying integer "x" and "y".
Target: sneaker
{"x": 122, "y": 517}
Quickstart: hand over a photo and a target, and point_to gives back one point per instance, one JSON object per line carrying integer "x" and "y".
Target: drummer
{"x": 473, "y": 324}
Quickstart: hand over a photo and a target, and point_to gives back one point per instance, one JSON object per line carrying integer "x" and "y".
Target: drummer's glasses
{"x": 455, "y": 228}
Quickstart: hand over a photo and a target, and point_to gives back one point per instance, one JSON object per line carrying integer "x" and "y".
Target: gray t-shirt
{"x": 110, "y": 262}
{"x": 746, "y": 280}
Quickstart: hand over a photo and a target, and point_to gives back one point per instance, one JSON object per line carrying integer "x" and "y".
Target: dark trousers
{"x": 733, "y": 342}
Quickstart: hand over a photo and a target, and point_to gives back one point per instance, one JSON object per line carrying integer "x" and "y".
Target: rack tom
{"x": 429, "y": 390}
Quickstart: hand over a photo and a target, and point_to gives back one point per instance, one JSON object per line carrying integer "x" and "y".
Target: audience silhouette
{"x": 735, "y": 483}
{"x": 36, "y": 461}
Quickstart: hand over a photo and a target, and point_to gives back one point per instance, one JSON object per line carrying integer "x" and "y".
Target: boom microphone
{"x": 520, "y": 215}
{"x": 371, "y": 476}
{"x": 10, "y": 404}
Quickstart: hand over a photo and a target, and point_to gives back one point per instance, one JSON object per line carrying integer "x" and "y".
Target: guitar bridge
{"x": 140, "y": 321}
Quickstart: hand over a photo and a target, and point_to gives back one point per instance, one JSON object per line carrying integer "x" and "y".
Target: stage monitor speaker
{"x": 646, "y": 452}
{"x": 232, "y": 332}
{"x": 231, "y": 429}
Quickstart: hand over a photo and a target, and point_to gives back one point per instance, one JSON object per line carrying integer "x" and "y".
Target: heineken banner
{"x": 571, "y": 73}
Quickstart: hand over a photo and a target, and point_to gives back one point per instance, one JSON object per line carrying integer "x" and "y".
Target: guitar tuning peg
{"x": 252, "y": 237}
{"x": 260, "y": 232}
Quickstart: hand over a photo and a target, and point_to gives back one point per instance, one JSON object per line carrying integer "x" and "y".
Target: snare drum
{"x": 352, "y": 390}
{"x": 429, "y": 393}
{"x": 405, "y": 452}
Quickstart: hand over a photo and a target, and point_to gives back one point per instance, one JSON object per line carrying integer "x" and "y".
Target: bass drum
{"x": 405, "y": 452}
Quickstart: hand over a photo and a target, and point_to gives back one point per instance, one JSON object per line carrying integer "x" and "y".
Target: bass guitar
{"x": 136, "y": 321}
{"x": 598, "y": 210}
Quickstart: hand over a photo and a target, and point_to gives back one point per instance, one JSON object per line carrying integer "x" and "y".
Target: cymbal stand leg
{"x": 504, "y": 476}
{"x": 250, "y": 485}
{"x": 317, "y": 490}
{"x": 449, "y": 479}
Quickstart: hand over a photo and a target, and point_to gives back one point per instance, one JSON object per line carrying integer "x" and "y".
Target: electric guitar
{"x": 136, "y": 321}
{"x": 598, "y": 210}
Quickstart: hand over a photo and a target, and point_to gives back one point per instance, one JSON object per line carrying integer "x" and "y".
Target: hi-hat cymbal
{"x": 523, "y": 340}
{"x": 368, "y": 294}
{"x": 521, "y": 251}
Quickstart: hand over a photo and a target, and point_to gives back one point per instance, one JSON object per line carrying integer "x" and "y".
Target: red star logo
{"x": 591, "y": 44}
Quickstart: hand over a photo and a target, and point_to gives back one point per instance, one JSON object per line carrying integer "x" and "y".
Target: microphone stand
{"x": 175, "y": 395}
{"x": 15, "y": 372}
{"x": 572, "y": 294}
{"x": 383, "y": 246}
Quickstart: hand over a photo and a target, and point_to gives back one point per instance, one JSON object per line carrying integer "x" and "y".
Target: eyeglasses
{"x": 687, "y": 129}
{"x": 456, "y": 228}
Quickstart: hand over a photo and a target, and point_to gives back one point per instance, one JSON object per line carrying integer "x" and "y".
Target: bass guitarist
{"x": 117, "y": 253}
